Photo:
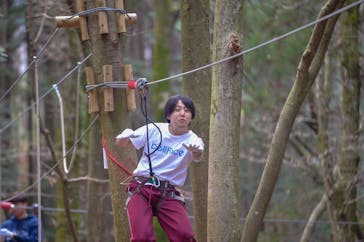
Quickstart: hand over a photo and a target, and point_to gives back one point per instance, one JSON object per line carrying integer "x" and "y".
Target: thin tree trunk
{"x": 324, "y": 92}
{"x": 195, "y": 25}
{"x": 315, "y": 215}
{"x": 307, "y": 71}
{"x": 162, "y": 29}
{"x": 63, "y": 187}
{"x": 223, "y": 187}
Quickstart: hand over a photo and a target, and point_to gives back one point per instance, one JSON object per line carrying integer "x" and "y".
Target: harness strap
{"x": 167, "y": 190}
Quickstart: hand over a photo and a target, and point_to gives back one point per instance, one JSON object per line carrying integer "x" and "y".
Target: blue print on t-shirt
{"x": 167, "y": 150}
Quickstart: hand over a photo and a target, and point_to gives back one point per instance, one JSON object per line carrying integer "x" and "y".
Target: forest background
{"x": 153, "y": 47}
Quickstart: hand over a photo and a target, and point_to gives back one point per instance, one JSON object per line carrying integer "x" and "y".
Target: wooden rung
{"x": 131, "y": 19}
{"x": 120, "y": 18}
{"x": 67, "y": 21}
{"x": 93, "y": 105}
{"x": 108, "y": 92}
{"x": 80, "y": 6}
{"x": 103, "y": 26}
{"x": 130, "y": 93}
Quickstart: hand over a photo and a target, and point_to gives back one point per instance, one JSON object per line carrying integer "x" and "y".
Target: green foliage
{"x": 271, "y": 69}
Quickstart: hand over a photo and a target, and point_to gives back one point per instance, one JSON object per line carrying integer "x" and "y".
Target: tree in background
{"x": 307, "y": 71}
{"x": 195, "y": 41}
{"x": 12, "y": 39}
{"x": 162, "y": 28}
{"x": 342, "y": 187}
{"x": 223, "y": 186}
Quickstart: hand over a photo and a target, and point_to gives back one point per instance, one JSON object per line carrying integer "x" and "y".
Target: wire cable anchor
{"x": 138, "y": 84}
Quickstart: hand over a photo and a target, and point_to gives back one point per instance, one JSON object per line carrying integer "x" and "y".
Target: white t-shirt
{"x": 171, "y": 160}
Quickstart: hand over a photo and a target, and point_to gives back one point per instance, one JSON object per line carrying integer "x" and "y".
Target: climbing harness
{"x": 165, "y": 188}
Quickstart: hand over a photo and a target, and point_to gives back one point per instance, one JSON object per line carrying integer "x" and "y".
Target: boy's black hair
{"x": 172, "y": 102}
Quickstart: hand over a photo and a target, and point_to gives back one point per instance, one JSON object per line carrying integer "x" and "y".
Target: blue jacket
{"x": 26, "y": 229}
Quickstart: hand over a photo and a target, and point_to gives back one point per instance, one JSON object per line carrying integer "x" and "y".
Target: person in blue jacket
{"x": 21, "y": 226}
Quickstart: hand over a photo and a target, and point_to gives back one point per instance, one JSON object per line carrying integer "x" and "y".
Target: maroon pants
{"x": 171, "y": 213}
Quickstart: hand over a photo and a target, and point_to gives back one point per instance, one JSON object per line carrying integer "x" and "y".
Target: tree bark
{"x": 162, "y": 30}
{"x": 223, "y": 187}
{"x": 106, "y": 50}
{"x": 307, "y": 70}
{"x": 195, "y": 40}
{"x": 99, "y": 220}
{"x": 343, "y": 199}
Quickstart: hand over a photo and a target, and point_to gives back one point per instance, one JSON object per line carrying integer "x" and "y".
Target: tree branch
{"x": 316, "y": 213}
{"x": 87, "y": 178}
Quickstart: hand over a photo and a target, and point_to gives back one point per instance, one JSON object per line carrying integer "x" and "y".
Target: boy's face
{"x": 19, "y": 209}
{"x": 181, "y": 116}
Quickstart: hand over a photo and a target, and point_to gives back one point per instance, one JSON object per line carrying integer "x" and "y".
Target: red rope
{"x": 113, "y": 159}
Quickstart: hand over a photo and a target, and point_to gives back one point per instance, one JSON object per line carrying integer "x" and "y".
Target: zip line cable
{"x": 30, "y": 65}
{"x": 39, "y": 184}
{"x": 98, "y": 9}
{"x": 46, "y": 93}
{"x": 119, "y": 84}
{"x": 262, "y": 44}
{"x": 77, "y": 121}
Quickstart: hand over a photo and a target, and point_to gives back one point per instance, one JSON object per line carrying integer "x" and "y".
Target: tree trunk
{"x": 307, "y": 71}
{"x": 106, "y": 50}
{"x": 162, "y": 29}
{"x": 324, "y": 152}
{"x": 195, "y": 24}
{"x": 223, "y": 187}
{"x": 99, "y": 220}
{"x": 343, "y": 200}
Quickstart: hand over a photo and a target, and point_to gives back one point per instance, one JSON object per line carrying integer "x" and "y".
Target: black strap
{"x": 143, "y": 94}
{"x": 146, "y": 124}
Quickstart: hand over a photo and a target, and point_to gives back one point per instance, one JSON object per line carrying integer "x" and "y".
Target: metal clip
{"x": 141, "y": 83}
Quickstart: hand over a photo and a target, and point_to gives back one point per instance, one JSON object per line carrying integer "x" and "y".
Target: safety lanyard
{"x": 143, "y": 95}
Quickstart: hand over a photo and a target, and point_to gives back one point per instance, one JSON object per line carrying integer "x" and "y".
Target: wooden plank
{"x": 103, "y": 24}
{"x": 108, "y": 92}
{"x": 120, "y": 18}
{"x": 80, "y": 6}
{"x": 93, "y": 105}
{"x": 130, "y": 93}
